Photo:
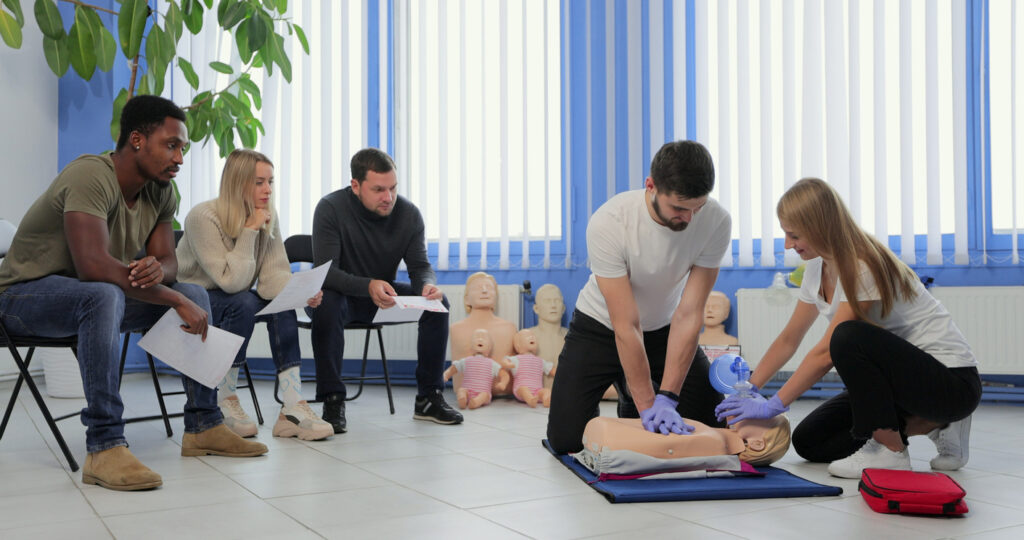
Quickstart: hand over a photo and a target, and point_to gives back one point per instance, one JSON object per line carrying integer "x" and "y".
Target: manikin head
{"x": 374, "y": 181}
{"x": 716, "y": 310}
{"x": 481, "y": 342}
{"x": 766, "y": 440}
{"x": 481, "y": 292}
{"x": 525, "y": 342}
{"x": 549, "y": 305}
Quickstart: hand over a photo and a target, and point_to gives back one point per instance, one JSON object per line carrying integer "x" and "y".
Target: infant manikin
{"x": 478, "y": 372}
{"x": 623, "y": 446}
{"x": 528, "y": 370}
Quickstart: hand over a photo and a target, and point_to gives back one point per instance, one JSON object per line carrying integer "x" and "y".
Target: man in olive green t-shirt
{"x": 70, "y": 271}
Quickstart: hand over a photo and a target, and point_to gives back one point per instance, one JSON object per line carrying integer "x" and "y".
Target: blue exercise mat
{"x": 774, "y": 483}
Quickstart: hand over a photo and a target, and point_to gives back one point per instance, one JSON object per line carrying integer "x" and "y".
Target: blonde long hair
{"x": 816, "y": 212}
{"x": 234, "y": 204}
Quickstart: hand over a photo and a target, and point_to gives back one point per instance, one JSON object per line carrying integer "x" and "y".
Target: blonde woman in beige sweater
{"x": 231, "y": 244}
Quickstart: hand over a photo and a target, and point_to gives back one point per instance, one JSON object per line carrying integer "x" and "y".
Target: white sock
{"x": 228, "y": 385}
{"x": 291, "y": 387}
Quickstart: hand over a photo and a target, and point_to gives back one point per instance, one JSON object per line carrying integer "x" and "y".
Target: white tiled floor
{"x": 393, "y": 477}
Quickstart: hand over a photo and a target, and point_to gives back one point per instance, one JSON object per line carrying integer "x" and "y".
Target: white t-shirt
{"x": 923, "y": 321}
{"x": 624, "y": 240}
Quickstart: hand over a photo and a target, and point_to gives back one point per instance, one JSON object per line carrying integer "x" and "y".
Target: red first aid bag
{"x": 908, "y": 492}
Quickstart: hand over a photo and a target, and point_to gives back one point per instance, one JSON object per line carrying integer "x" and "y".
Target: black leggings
{"x": 590, "y": 362}
{"x": 887, "y": 380}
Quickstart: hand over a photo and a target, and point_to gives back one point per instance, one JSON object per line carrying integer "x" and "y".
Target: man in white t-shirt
{"x": 654, "y": 256}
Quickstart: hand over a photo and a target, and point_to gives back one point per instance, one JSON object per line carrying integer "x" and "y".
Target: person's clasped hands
{"x": 744, "y": 408}
{"x": 663, "y": 418}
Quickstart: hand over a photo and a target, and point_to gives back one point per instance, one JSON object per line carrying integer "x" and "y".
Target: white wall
{"x": 28, "y": 133}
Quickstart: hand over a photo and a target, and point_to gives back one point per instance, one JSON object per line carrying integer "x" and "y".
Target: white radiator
{"x": 399, "y": 340}
{"x": 990, "y": 318}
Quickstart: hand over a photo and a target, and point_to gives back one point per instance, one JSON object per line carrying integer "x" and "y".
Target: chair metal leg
{"x": 384, "y": 365}
{"x": 23, "y": 368}
{"x": 124, "y": 354}
{"x": 159, "y": 395}
{"x": 14, "y": 395}
{"x": 362, "y": 371}
{"x": 252, "y": 392}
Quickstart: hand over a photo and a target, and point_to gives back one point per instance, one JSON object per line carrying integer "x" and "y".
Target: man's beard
{"x": 677, "y": 227}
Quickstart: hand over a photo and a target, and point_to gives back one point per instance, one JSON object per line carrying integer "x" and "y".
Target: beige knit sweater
{"x": 208, "y": 257}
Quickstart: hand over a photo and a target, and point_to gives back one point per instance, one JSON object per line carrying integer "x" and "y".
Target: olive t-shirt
{"x": 88, "y": 184}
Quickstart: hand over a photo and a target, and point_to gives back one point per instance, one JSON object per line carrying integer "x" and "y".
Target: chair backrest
{"x": 299, "y": 248}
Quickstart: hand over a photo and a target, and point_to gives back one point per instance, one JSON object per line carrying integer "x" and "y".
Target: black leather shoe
{"x": 433, "y": 407}
{"x": 334, "y": 412}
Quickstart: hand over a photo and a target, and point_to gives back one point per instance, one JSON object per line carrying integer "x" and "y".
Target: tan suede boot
{"x": 116, "y": 468}
{"x": 220, "y": 441}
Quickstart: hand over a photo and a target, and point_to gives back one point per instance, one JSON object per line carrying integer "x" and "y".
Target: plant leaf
{"x": 115, "y": 119}
{"x": 155, "y": 58}
{"x": 131, "y": 25}
{"x": 57, "y": 55}
{"x": 281, "y": 57}
{"x": 189, "y": 73}
{"x": 174, "y": 21}
{"x": 301, "y": 34}
{"x": 257, "y": 30}
{"x": 221, "y": 67}
{"x": 282, "y": 6}
{"x": 144, "y": 85}
{"x": 81, "y": 45}
{"x": 242, "y": 42}
{"x": 10, "y": 31}
{"x": 253, "y": 90}
{"x": 106, "y": 49}
{"x": 230, "y": 13}
{"x": 15, "y": 7}
{"x": 193, "y": 16}
{"x": 49, "y": 20}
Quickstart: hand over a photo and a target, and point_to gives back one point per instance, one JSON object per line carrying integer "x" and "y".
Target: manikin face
{"x": 481, "y": 293}
{"x": 378, "y": 192}
{"x": 798, "y": 244}
{"x": 161, "y": 153}
{"x": 716, "y": 310}
{"x": 672, "y": 211}
{"x": 525, "y": 342}
{"x": 263, "y": 185}
{"x": 481, "y": 342}
{"x": 549, "y": 306}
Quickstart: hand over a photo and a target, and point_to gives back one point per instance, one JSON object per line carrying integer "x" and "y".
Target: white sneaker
{"x": 235, "y": 418}
{"x": 953, "y": 443}
{"x": 300, "y": 421}
{"x": 873, "y": 455}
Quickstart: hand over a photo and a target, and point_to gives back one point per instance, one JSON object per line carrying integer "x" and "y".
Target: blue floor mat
{"x": 774, "y": 483}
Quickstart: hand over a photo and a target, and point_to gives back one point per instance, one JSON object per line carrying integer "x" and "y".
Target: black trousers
{"x": 328, "y": 336}
{"x": 589, "y": 363}
{"x": 887, "y": 380}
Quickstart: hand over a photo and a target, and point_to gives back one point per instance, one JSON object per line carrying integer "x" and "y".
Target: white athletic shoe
{"x": 235, "y": 418}
{"x": 873, "y": 455}
{"x": 952, "y": 442}
{"x": 300, "y": 421}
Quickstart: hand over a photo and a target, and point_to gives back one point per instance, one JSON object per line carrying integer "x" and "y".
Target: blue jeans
{"x": 236, "y": 313}
{"x": 58, "y": 306}
{"x": 337, "y": 310}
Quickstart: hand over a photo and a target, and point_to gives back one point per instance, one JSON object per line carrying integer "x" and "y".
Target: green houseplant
{"x": 149, "y": 41}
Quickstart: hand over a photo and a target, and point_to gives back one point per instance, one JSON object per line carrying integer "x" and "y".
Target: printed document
{"x": 300, "y": 288}
{"x": 204, "y": 361}
{"x": 408, "y": 309}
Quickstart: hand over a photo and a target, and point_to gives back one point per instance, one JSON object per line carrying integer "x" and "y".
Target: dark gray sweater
{"x": 366, "y": 246}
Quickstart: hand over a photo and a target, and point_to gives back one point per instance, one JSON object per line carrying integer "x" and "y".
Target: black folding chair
{"x": 13, "y": 343}
{"x": 299, "y": 248}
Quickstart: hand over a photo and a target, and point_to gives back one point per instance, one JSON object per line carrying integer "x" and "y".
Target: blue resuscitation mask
{"x": 730, "y": 375}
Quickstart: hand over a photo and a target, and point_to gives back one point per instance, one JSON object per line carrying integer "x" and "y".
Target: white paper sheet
{"x": 204, "y": 361}
{"x": 407, "y": 309}
{"x": 300, "y": 288}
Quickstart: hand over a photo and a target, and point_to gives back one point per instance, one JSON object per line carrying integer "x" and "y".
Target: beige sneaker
{"x": 300, "y": 421}
{"x": 235, "y": 418}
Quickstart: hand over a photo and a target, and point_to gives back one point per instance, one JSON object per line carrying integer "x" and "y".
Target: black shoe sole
{"x": 436, "y": 420}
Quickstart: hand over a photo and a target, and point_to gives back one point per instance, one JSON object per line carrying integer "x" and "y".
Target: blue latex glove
{"x": 663, "y": 418}
{"x": 743, "y": 408}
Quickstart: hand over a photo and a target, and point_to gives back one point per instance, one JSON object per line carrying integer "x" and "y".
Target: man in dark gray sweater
{"x": 367, "y": 229}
